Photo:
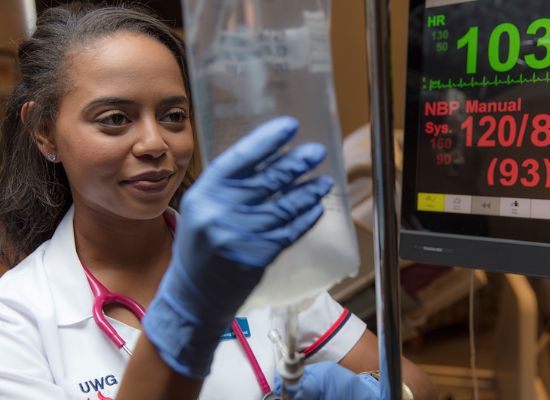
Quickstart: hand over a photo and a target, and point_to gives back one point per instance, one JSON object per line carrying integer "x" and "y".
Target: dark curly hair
{"x": 34, "y": 194}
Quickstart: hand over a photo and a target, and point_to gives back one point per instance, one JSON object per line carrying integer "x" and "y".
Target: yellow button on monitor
{"x": 434, "y": 202}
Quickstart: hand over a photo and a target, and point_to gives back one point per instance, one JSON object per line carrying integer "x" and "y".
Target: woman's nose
{"x": 150, "y": 141}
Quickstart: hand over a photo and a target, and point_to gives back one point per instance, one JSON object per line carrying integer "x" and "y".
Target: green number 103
{"x": 508, "y": 59}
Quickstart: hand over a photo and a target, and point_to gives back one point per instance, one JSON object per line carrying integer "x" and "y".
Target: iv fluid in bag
{"x": 250, "y": 61}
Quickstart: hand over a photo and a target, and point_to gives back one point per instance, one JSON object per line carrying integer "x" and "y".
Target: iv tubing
{"x": 291, "y": 368}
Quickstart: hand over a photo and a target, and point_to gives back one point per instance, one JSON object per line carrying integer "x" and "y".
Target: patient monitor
{"x": 476, "y": 176}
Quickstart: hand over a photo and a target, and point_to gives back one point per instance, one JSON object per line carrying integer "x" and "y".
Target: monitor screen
{"x": 476, "y": 181}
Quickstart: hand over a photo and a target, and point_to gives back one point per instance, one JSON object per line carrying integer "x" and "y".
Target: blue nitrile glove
{"x": 235, "y": 219}
{"x": 328, "y": 381}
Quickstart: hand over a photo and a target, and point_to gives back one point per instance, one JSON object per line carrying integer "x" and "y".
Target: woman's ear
{"x": 42, "y": 137}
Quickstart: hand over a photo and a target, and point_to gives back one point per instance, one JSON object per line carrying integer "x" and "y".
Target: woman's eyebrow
{"x": 175, "y": 100}
{"x": 111, "y": 101}
{"x": 119, "y": 101}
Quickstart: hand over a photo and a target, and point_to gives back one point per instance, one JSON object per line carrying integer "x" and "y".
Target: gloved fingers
{"x": 254, "y": 148}
{"x": 258, "y": 250}
{"x": 328, "y": 380}
{"x": 372, "y": 385}
{"x": 294, "y": 230}
{"x": 308, "y": 388}
{"x": 281, "y": 210}
{"x": 279, "y": 175}
{"x": 298, "y": 391}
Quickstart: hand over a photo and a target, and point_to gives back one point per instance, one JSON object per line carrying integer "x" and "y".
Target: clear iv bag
{"x": 252, "y": 60}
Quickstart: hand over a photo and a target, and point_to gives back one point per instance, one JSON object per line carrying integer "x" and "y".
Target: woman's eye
{"x": 117, "y": 119}
{"x": 175, "y": 116}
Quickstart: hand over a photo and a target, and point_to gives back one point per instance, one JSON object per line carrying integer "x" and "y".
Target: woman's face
{"x": 123, "y": 134}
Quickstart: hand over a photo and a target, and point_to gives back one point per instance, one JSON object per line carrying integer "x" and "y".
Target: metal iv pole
{"x": 385, "y": 222}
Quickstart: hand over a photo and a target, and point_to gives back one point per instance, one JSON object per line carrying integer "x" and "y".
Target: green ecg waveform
{"x": 438, "y": 84}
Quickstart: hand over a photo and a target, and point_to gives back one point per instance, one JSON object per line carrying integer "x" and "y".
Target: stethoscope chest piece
{"x": 271, "y": 396}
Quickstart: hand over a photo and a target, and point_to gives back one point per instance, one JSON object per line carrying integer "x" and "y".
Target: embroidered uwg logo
{"x": 98, "y": 384}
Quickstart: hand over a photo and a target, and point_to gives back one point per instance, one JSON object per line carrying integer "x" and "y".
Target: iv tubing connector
{"x": 291, "y": 369}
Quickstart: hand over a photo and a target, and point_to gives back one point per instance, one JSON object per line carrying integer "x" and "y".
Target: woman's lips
{"x": 150, "y": 186}
{"x": 152, "y": 182}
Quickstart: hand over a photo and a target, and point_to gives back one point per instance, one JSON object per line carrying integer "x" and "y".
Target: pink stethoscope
{"x": 103, "y": 297}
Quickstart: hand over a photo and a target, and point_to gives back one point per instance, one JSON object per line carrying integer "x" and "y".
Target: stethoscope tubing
{"x": 103, "y": 297}
{"x": 260, "y": 377}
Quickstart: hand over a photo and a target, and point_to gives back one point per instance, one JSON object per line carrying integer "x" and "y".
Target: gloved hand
{"x": 235, "y": 219}
{"x": 328, "y": 381}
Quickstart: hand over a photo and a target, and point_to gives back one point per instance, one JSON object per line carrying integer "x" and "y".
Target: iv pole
{"x": 385, "y": 221}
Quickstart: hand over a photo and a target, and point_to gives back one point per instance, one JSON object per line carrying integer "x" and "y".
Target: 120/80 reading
{"x": 529, "y": 173}
{"x": 506, "y": 131}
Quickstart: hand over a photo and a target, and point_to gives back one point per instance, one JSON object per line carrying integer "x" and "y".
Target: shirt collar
{"x": 71, "y": 292}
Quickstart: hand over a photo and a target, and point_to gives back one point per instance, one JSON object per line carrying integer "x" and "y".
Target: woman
{"x": 96, "y": 144}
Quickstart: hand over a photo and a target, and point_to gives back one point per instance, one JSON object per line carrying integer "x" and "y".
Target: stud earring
{"x": 51, "y": 157}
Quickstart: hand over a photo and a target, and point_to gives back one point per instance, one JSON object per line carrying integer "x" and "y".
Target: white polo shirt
{"x": 51, "y": 348}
